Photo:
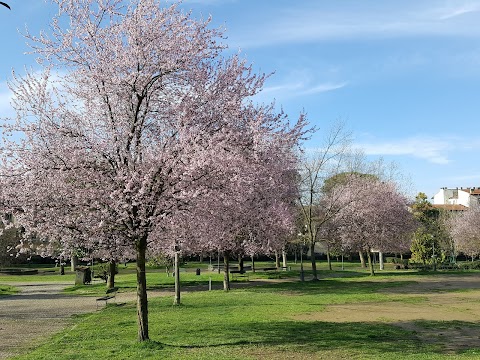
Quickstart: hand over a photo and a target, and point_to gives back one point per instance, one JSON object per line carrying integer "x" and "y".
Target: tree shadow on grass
{"x": 329, "y": 286}
{"x": 368, "y": 338}
{"x": 450, "y": 336}
{"x": 150, "y": 345}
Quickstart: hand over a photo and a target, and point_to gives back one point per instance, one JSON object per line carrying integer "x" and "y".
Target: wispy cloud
{"x": 462, "y": 179}
{"x": 434, "y": 150}
{"x": 206, "y": 2}
{"x": 324, "y": 88}
{"x": 301, "y": 89}
{"x": 458, "y": 9}
{"x": 316, "y": 22}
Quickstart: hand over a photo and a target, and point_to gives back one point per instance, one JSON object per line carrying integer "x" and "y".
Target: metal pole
{"x": 302, "y": 275}
{"x": 177, "y": 281}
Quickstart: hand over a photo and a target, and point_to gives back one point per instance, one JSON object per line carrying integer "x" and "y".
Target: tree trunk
{"x": 253, "y": 264}
{"x": 362, "y": 259}
{"x": 112, "y": 267}
{"x": 74, "y": 262}
{"x": 329, "y": 261}
{"x": 284, "y": 259}
{"x": 314, "y": 261}
{"x": 370, "y": 263}
{"x": 277, "y": 260}
{"x": 176, "y": 300}
{"x": 226, "y": 271}
{"x": 381, "y": 260}
{"x": 142, "y": 302}
{"x": 240, "y": 262}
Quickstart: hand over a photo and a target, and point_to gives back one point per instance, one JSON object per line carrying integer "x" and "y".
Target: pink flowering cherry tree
{"x": 376, "y": 217}
{"x": 252, "y": 212}
{"x": 464, "y": 229}
{"x": 134, "y": 116}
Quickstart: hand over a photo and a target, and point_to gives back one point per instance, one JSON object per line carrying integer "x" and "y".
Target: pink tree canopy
{"x": 375, "y": 216}
{"x": 134, "y": 117}
{"x": 465, "y": 231}
{"x": 251, "y": 213}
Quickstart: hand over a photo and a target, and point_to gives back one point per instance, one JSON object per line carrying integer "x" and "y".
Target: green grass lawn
{"x": 7, "y": 290}
{"x": 252, "y": 323}
{"x": 158, "y": 279}
{"x": 274, "y": 321}
{"x": 46, "y": 273}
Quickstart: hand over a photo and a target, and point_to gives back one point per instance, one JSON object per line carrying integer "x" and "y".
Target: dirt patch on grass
{"x": 438, "y": 307}
{"x": 443, "y": 310}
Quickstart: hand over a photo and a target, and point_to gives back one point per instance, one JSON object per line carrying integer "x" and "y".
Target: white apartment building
{"x": 456, "y": 199}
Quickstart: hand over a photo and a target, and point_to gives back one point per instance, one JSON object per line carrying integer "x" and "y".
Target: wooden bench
{"x": 215, "y": 267}
{"x": 103, "y": 276}
{"x": 238, "y": 273}
{"x": 268, "y": 269}
{"x": 109, "y": 295}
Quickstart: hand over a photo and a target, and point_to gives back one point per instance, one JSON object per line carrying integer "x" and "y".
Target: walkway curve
{"x": 37, "y": 311}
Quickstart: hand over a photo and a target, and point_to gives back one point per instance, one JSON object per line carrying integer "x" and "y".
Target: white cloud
{"x": 324, "y": 88}
{"x": 315, "y": 22}
{"x": 289, "y": 90}
{"x": 457, "y": 9}
{"x": 288, "y": 87}
{"x": 462, "y": 179}
{"x": 5, "y": 97}
{"x": 207, "y": 2}
{"x": 431, "y": 149}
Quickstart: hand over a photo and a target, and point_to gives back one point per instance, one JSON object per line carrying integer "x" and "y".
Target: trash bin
{"x": 197, "y": 272}
{"x": 83, "y": 275}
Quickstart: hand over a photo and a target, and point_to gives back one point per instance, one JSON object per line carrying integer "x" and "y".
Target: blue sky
{"x": 404, "y": 75}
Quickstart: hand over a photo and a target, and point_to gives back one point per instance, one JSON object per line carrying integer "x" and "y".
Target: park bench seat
{"x": 109, "y": 295}
{"x": 238, "y": 273}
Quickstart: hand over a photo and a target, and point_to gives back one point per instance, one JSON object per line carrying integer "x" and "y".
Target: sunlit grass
{"x": 264, "y": 322}
{"x": 7, "y": 290}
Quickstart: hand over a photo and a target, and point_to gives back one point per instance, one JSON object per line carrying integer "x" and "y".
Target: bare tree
{"x": 318, "y": 165}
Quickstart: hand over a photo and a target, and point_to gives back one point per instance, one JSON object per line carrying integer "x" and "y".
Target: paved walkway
{"x": 36, "y": 312}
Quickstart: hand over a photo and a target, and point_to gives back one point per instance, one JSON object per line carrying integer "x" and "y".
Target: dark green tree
{"x": 431, "y": 241}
